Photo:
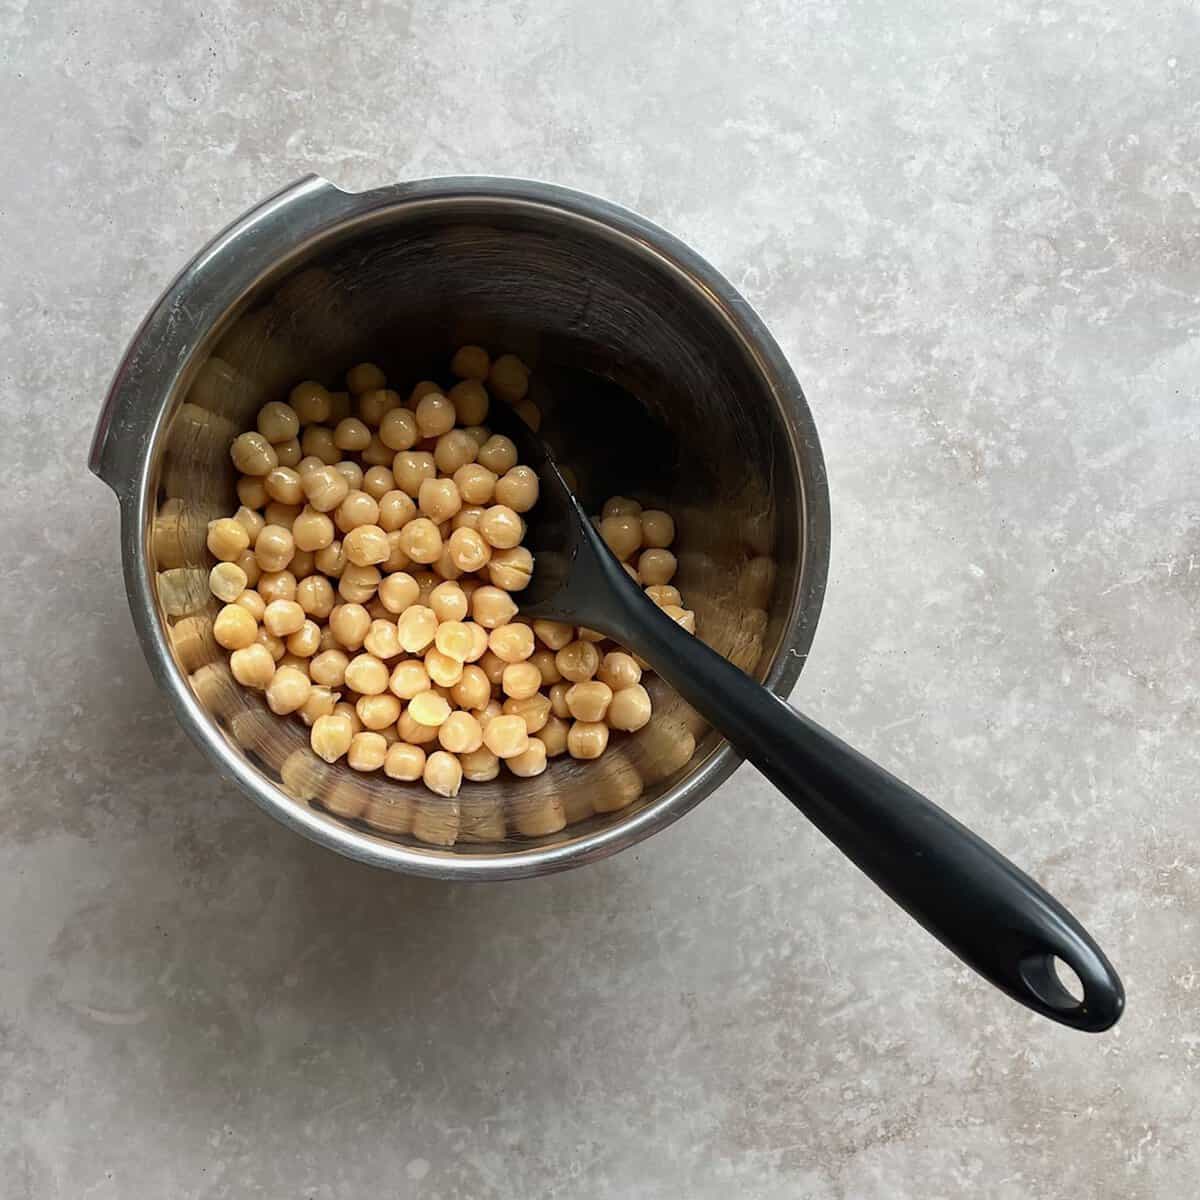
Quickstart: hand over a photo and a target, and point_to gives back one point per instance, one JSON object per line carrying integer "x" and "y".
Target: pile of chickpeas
{"x": 368, "y": 581}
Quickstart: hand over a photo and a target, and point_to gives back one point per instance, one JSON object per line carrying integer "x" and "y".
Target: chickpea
{"x": 320, "y": 703}
{"x": 420, "y": 390}
{"x": 374, "y": 405}
{"x": 283, "y": 484}
{"x": 443, "y": 774}
{"x": 435, "y": 415}
{"x": 554, "y": 634}
{"x": 630, "y": 709}
{"x": 476, "y": 484}
{"x": 312, "y": 531}
{"x": 377, "y": 611}
{"x": 421, "y": 540}
{"x": 311, "y": 402}
{"x": 411, "y": 468}
{"x": 404, "y": 762}
{"x": 377, "y": 482}
{"x": 397, "y": 559}
{"x": 473, "y": 689}
{"x": 283, "y": 515}
{"x": 587, "y": 739}
{"x": 311, "y": 463}
{"x": 252, "y": 666}
{"x": 249, "y": 565}
{"x": 332, "y": 560}
{"x": 378, "y": 712}
{"x": 377, "y": 454}
{"x": 663, "y": 594}
{"x": 443, "y": 670}
{"x": 589, "y": 701}
{"x": 454, "y": 641}
{"x": 283, "y": 617}
{"x": 470, "y": 362}
{"x": 365, "y": 377}
{"x": 347, "y": 710}
{"x": 396, "y": 509}
{"x": 274, "y": 646}
{"x": 314, "y": 594}
{"x": 508, "y": 378}
{"x": 623, "y": 535}
{"x": 491, "y": 607}
{"x": 324, "y": 488}
{"x": 533, "y": 710}
{"x": 288, "y": 453}
{"x": 357, "y": 584}
{"x": 252, "y": 454}
{"x": 358, "y": 508}
{"x": 398, "y": 430}
{"x": 350, "y": 623}
{"x": 518, "y": 488}
{"x": 277, "y": 585}
{"x": 498, "y": 454}
{"x": 274, "y": 548}
{"x": 253, "y": 603}
{"x": 467, "y": 550}
{"x": 656, "y": 567}
{"x": 544, "y": 661}
{"x": 682, "y": 617}
{"x": 305, "y": 642}
{"x": 558, "y": 700}
{"x": 513, "y": 643}
{"x": 331, "y": 736}
{"x": 351, "y": 472}
{"x": 234, "y": 628}
{"x": 428, "y": 708}
{"x": 511, "y": 569}
{"x": 417, "y": 627}
{"x": 398, "y": 591}
{"x": 367, "y": 751}
{"x": 506, "y": 736}
{"x": 251, "y": 521}
{"x": 493, "y": 668}
{"x": 479, "y": 766}
{"x": 449, "y": 601}
{"x": 426, "y": 581}
{"x": 408, "y": 679}
{"x": 227, "y": 539}
{"x": 288, "y": 690}
{"x": 620, "y": 506}
{"x": 365, "y": 545}
{"x": 454, "y": 450}
{"x": 588, "y": 635}
{"x": 278, "y": 422}
{"x": 520, "y": 680}
{"x": 251, "y": 491}
{"x": 467, "y": 518}
{"x": 328, "y": 668}
{"x": 578, "y": 661}
{"x": 317, "y": 441}
{"x": 294, "y": 661}
{"x": 658, "y": 529}
{"x": 367, "y": 675}
{"x": 351, "y": 434}
{"x": 460, "y": 733}
{"x": 619, "y": 670}
{"x": 532, "y": 762}
{"x": 488, "y": 713}
{"x": 382, "y": 640}
{"x": 501, "y": 528}
{"x": 439, "y": 499}
{"x": 553, "y": 736}
{"x": 227, "y": 581}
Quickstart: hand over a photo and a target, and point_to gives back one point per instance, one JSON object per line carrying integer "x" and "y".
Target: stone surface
{"x": 974, "y": 229}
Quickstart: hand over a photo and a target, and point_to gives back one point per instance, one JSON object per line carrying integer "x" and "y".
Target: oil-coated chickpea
{"x": 404, "y": 762}
{"x": 630, "y": 708}
{"x": 324, "y": 488}
{"x": 443, "y": 565}
{"x": 470, "y": 362}
{"x": 377, "y": 454}
{"x": 251, "y": 491}
{"x": 416, "y": 627}
{"x": 328, "y": 668}
{"x": 587, "y": 739}
{"x": 350, "y": 623}
{"x": 426, "y": 581}
{"x": 619, "y": 670}
{"x": 518, "y": 488}
{"x": 468, "y": 551}
{"x": 306, "y": 640}
{"x": 294, "y": 661}
{"x": 277, "y": 585}
{"x": 357, "y": 584}
{"x": 347, "y": 710}
{"x": 443, "y": 670}
{"x": 382, "y": 640}
{"x": 358, "y": 508}
{"x": 234, "y": 628}
{"x": 227, "y": 581}
{"x": 511, "y": 569}
{"x": 620, "y": 506}
{"x": 397, "y": 559}
{"x": 479, "y": 641}
{"x": 367, "y": 752}
{"x": 488, "y": 713}
{"x": 352, "y": 434}
{"x": 498, "y": 454}
{"x": 533, "y": 710}
{"x": 365, "y": 377}
{"x": 396, "y": 509}
{"x": 473, "y": 690}
{"x": 426, "y": 387}
{"x": 249, "y": 565}
{"x": 411, "y": 468}
{"x": 378, "y": 712}
{"x": 558, "y": 699}
{"x": 315, "y": 595}
{"x": 283, "y": 515}
{"x": 251, "y": 521}
{"x": 253, "y": 666}
{"x": 553, "y": 735}
{"x": 409, "y": 678}
{"x": 554, "y": 634}
{"x": 288, "y": 690}
{"x": 332, "y": 560}
{"x": 284, "y": 484}
{"x": 311, "y": 463}
{"x": 283, "y": 617}
{"x": 476, "y": 484}
{"x": 398, "y": 591}
{"x": 374, "y": 405}
{"x": 493, "y": 668}
{"x": 365, "y": 545}
{"x": 501, "y": 527}
{"x": 506, "y": 736}
{"x": 227, "y": 538}
{"x": 664, "y": 594}
{"x": 623, "y": 535}
{"x": 449, "y": 601}
{"x": 508, "y": 378}
{"x": 351, "y": 472}
{"x": 443, "y": 774}
{"x": 588, "y": 635}
{"x": 656, "y": 567}
{"x": 274, "y": 548}
{"x": 331, "y": 736}
{"x": 253, "y": 603}
{"x": 491, "y": 607}
{"x": 684, "y": 618}
{"x": 378, "y": 482}
{"x": 529, "y": 763}
{"x": 544, "y": 661}
{"x": 453, "y": 640}
{"x": 438, "y": 499}
{"x": 252, "y": 454}
{"x": 320, "y": 703}
{"x": 460, "y": 733}
{"x": 578, "y": 661}
{"x": 367, "y": 675}
{"x": 454, "y": 450}
{"x": 589, "y": 701}
{"x": 289, "y": 453}
{"x": 276, "y": 647}
{"x": 317, "y": 441}
{"x": 470, "y": 401}
{"x": 658, "y": 529}
{"x": 421, "y": 540}
{"x": 428, "y": 708}
{"x": 479, "y": 766}
{"x": 398, "y": 430}
{"x": 512, "y": 642}
{"x": 278, "y": 422}
{"x": 467, "y": 518}
{"x": 520, "y": 680}
{"x": 312, "y": 530}
{"x": 311, "y": 402}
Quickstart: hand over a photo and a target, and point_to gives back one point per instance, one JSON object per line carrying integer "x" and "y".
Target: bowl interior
{"x": 708, "y": 439}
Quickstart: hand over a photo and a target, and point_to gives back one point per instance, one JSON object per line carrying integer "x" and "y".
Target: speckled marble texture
{"x": 975, "y": 230}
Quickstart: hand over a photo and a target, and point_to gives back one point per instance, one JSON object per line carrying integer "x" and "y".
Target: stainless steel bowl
{"x": 315, "y": 279}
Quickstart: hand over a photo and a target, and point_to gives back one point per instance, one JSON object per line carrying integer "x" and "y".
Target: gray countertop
{"x": 974, "y": 230}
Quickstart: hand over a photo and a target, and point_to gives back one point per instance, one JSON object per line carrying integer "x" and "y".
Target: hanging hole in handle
{"x": 1068, "y": 980}
{"x": 1053, "y": 981}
